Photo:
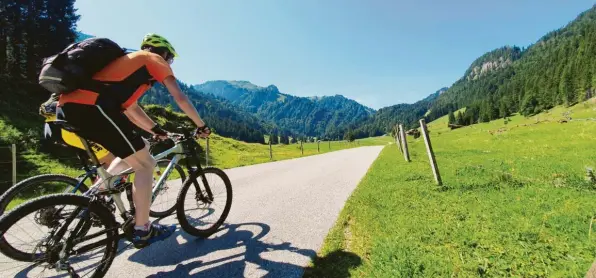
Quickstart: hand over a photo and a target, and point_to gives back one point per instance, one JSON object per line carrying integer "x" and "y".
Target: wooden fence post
{"x": 207, "y": 153}
{"x": 14, "y": 164}
{"x": 398, "y": 138}
{"x": 270, "y": 150}
{"x": 329, "y": 144}
{"x": 431, "y": 154}
{"x": 319, "y": 146}
{"x": 301, "y": 148}
{"x": 404, "y": 142}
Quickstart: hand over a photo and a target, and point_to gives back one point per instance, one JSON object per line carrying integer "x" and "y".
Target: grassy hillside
{"x": 515, "y": 203}
{"x": 224, "y": 152}
{"x": 228, "y": 153}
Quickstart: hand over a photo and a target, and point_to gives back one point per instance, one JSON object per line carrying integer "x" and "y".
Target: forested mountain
{"x": 407, "y": 114}
{"x": 315, "y": 116}
{"x": 226, "y": 119}
{"x": 559, "y": 69}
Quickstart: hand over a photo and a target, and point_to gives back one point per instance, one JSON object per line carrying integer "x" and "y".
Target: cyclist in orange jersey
{"x": 107, "y": 115}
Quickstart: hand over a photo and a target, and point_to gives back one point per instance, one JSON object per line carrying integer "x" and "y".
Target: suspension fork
{"x": 197, "y": 171}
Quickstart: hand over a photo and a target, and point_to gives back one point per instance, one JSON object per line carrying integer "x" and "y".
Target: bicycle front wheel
{"x": 36, "y": 186}
{"x": 204, "y": 202}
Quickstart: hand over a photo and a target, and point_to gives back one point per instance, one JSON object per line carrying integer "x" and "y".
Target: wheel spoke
{"x": 87, "y": 263}
{"x": 204, "y": 216}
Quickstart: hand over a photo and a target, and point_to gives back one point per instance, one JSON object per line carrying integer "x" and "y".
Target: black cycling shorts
{"x": 107, "y": 127}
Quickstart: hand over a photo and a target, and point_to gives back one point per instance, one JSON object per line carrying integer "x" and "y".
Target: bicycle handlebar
{"x": 185, "y": 134}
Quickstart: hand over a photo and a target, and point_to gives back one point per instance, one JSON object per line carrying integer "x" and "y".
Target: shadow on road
{"x": 335, "y": 264}
{"x": 232, "y": 249}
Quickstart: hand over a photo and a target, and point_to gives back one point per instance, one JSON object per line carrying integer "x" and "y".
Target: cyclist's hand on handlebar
{"x": 159, "y": 133}
{"x": 203, "y": 132}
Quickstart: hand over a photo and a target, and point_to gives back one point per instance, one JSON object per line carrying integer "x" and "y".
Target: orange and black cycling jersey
{"x": 132, "y": 75}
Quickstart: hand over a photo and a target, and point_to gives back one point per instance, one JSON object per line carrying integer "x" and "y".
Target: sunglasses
{"x": 170, "y": 58}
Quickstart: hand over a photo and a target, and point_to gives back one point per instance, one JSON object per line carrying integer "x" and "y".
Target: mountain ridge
{"x": 311, "y": 116}
{"x": 558, "y": 69}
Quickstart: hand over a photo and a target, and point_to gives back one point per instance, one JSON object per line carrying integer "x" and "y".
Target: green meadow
{"x": 515, "y": 203}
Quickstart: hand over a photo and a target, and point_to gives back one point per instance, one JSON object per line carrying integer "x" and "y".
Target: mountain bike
{"x": 52, "y": 183}
{"x": 75, "y": 229}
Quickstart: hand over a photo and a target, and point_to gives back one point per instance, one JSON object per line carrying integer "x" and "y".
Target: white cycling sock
{"x": 144, "y": 227}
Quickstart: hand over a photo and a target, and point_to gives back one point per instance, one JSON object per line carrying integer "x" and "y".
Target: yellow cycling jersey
{"x": 74, "y": 140}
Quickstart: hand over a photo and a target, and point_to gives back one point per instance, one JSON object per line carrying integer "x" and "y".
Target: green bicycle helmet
{"x": 156, "y": 40}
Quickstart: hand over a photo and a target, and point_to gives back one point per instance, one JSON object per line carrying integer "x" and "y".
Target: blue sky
{"x": 379, "y": 53}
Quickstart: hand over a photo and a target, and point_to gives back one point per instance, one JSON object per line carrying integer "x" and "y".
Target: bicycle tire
{"x": 184, "y": 223}
{"x": 153, "y": 212}
{"x": 100, "y": 212}
{"x": 32, "y": 182}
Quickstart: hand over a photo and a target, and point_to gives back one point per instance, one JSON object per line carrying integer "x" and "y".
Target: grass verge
{"x": 515, "y": 203}
{"x": 228, "y": 153}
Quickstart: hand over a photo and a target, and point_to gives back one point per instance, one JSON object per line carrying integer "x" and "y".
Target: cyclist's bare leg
{"x": 115, "y": 166}
{"x": 143, "y": 164}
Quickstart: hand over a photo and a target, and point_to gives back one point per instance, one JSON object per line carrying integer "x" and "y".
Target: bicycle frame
{"x": 91, "y": 171}
{"x": 110, "y": 180}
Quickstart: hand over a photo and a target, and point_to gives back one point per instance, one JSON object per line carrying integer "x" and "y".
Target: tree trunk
{"x": 15, "y": 41}
{"x": 31, "y": 37}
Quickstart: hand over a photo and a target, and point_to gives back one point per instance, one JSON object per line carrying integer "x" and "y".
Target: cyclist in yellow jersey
{"x": 65, "y": 137}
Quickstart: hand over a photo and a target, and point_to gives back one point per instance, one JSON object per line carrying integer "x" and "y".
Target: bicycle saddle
{"x": 65, "y": 125}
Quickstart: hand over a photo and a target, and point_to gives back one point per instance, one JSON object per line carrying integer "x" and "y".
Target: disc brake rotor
{"x": 47, "y": 217}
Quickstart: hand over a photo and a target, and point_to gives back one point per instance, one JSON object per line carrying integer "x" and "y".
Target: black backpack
{"x": 74, "y": 67}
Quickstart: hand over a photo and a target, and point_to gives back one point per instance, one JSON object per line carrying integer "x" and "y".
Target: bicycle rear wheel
{"x": 36, "y": 186}
{"x": 204, "y": 202}
{"x": 165, "y": 201}
{"x": 56, "y": 213}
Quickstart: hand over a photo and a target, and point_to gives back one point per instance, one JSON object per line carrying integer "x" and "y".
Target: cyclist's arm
{"x": 137, "y": 116}
{"x": 183, "y": 101}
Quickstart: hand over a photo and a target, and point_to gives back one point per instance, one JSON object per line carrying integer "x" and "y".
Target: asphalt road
{"x": 280, "y": 215}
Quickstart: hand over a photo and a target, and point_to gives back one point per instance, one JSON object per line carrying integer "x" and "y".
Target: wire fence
{"x": 494, "y": 175}
{"x": 16, "y": 166}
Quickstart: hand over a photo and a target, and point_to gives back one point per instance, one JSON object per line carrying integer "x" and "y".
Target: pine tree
{"x": 274, "y": 139}
{"x": 493, "y": 109}
{"x": 459, "y": 119}
{"x": 503, "y": 109}
{"x": 529, "y": 105}
{"x": 349, "y": 135}
{"x": 484, "y": 118}
{"x": 63, "y": 21}
{"x": 31, "y": 30}
{"x": 566, "y": 87}
{"x": 4, "y": 32}
{"x": 14, "y": 30}
{"x": 451, "y": 117}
